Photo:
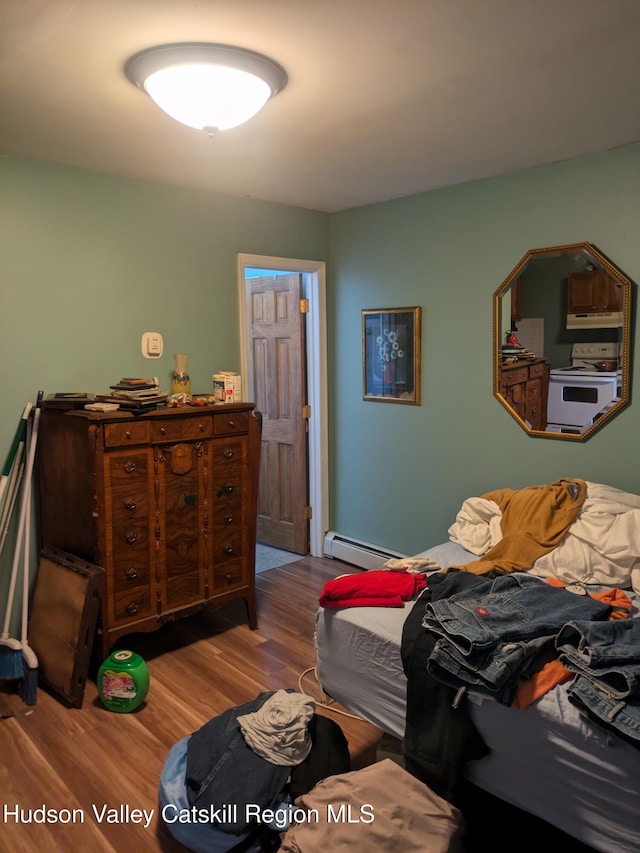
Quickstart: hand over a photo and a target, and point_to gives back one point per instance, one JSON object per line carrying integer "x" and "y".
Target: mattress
{"x": 544, "y": 759}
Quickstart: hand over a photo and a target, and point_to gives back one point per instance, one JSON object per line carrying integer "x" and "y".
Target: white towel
{"x": 413, "y": 565}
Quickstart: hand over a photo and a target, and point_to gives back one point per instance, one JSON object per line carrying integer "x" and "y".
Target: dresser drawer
{"x": 537, "y": 370}
{"x": 182, "y": 429}
{"x": 128, "y": 470}
{"x": 132, "y": 432}
{"x": 534, "y": 391}
{"x": 227, "y": 546}
{"x": 129, "y": 501}
{"x": 227, "y": 517}
{"x": 513, "y": 377}
{"x": 226, "y": 424}
{"x": 133, "y": 605}
{"x": 132, "y": 575}
{"x": 228, "y": 453}
{"x": 228, "y": 576}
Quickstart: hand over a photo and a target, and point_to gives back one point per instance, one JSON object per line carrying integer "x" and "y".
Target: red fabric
{"x": 371, "y": 589}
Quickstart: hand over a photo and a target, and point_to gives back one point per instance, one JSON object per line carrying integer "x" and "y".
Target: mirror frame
{"x": 625, "y": 348}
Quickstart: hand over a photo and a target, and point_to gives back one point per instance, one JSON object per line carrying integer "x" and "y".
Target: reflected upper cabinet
{"x": 561, "y": 341}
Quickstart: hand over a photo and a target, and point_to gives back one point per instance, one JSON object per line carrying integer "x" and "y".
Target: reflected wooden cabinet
{"x": 593, "y": 291}
{"x": 165, "y": 502}
{"x": 524, "y": 385}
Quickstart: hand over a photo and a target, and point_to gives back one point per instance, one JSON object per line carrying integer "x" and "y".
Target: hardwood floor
{"x": 72, "y": 759}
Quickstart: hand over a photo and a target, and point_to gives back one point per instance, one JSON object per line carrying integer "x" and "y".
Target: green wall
{"x": 400, "y": 473}
{"x": 88, "y": 262}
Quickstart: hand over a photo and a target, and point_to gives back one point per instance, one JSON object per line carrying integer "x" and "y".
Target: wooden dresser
{"x": 525, "y": 387}
{"x": 165, "y": 502}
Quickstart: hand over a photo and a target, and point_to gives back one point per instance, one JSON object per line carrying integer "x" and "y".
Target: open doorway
{"x": 267, "y": 276}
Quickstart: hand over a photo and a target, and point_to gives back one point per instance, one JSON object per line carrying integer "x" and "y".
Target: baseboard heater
{"x": 356, "y": 552}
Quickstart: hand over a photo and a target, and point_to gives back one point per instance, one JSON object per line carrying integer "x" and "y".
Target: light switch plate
{"x": 152, "y": 345}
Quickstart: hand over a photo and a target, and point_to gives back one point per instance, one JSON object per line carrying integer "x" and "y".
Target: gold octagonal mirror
{"x": 561, "y": 342}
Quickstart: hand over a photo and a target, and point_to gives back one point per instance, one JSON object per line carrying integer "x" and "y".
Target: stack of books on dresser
{"x": 134, "y": 393}
{"x": 509, "y": 353}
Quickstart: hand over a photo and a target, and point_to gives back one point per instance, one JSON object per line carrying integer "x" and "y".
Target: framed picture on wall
{"x": 391, "y": 355}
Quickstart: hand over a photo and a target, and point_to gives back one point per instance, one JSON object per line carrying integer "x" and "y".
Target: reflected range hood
{"x": 602, "y": 320}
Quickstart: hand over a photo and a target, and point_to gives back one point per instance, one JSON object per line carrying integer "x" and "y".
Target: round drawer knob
{"x": 163, "y": 431}
{"x": 228, "y": 519}
{"x": 228, "y": 577}
{"x": 201, "y": 427}
{"x": 131, "y": 537}
{"x": 129, "y": 467}
{"x": 232, "y": 424}
{"x": 228, "y": 453}
{"x": 132, "y": 608}
{"x": 130, "y": 504}
{"x": 127, "y": 434}
{"x": 228, "y": 549}
{"x": 132, "y": 574}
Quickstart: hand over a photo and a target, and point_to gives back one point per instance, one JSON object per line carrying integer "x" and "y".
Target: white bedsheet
{"x": 602, "y": 545}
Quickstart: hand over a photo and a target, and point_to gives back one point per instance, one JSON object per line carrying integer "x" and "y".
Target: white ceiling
{"x": 385, "y": 97}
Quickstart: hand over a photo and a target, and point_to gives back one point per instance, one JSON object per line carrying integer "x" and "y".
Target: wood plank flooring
{"x": 71, "y": 759}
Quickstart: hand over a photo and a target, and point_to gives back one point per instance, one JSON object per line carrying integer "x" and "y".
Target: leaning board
{"x": 64, "y": 612}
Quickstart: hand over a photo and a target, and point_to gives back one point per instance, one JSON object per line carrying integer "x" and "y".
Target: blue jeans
{"x": 606, "y": 660}
{"x": 495, "y": 633}
{"x": 197, "y": 836}
{"x": 495, "y": 672}
{"x": 511, "y": 608}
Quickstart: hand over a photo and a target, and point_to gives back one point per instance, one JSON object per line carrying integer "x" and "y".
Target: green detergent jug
{"x": 123, "y": 681}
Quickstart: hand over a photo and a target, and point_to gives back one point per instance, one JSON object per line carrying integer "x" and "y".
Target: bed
{"x": 546, "y": 758}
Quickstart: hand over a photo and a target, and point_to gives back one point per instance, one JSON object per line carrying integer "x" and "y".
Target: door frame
{"x": 314, "y": 288}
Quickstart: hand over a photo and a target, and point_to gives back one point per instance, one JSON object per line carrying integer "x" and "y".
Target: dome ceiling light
{"x": 210, "y": 87}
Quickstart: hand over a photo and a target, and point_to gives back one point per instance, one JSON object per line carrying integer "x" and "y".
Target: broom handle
{"x": 12, "y": 585}
{"x": 23, "y": 515}
{"x": 14, "y": 485}
{"x": 17, "y": 438}
{"x": 26, "y": 542}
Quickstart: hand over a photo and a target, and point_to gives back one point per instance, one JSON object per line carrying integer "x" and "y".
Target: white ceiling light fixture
{"x": 210, "y": 87}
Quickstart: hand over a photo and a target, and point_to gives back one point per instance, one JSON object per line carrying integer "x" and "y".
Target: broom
{"x": 28, "y": 687}
{"x": 11, "y": 658}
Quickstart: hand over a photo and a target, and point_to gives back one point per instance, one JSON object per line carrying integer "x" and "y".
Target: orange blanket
{"x": 534, "y": 521}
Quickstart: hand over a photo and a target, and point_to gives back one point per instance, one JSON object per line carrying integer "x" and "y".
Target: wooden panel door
{"x": 278, "y": 386}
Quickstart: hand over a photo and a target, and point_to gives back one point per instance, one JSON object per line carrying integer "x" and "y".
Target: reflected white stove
{"x": 581, "y": 393}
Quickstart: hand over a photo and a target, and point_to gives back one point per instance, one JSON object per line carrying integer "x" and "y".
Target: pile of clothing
{"x": 230, "y": 785}
{"x": 511, "y": 637}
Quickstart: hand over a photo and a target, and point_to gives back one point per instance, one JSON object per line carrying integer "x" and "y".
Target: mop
{"x": 12, "y": 663}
